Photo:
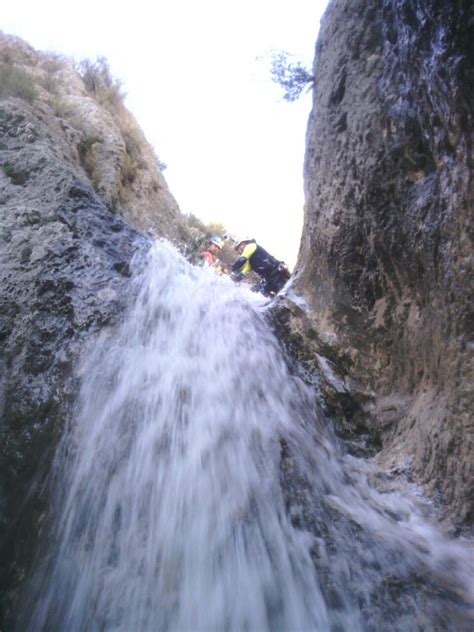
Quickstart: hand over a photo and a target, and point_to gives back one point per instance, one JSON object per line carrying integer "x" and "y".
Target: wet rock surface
{"x": 64, "y": 276}
{"x": 79, "y": 189}
{"x": 387, "y": 597}
{"x": 386, "y": 253}
{"x": 319, "y": 363}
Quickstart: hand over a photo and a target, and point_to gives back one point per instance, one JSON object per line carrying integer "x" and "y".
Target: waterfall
{"x": 200, "y": 488}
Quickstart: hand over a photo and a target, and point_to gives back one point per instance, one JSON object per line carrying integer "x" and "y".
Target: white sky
{"x": 233, "y": 147}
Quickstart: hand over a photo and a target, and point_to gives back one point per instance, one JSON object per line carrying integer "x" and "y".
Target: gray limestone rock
{"x": 79, "y": 187}
{"x": 386, "y": 262}
{"x": 63, "y": 276}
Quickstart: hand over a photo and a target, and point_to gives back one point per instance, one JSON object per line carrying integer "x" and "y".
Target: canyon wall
{"x": 80, "y": 189}
{"x": 385, "y": 265}
{"x": 386, "y": 254}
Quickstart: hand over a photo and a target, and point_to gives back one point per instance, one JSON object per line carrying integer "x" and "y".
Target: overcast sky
{"x": 194, "y": 81}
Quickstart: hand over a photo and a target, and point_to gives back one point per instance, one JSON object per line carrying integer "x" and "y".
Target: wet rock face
{"x": 64, "y": 275}
{"x": 386, "y": 254}
{"x": 78, "y": 182}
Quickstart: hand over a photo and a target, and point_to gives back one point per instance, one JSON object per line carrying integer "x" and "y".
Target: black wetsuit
{"x": 274, "y": 272}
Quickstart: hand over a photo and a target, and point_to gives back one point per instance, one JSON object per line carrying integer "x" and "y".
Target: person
{"x": 254, "y": 258}
{"x": 210, "y": 254}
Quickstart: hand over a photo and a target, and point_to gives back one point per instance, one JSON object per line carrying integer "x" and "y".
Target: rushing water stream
{"x": 198, "y": 488}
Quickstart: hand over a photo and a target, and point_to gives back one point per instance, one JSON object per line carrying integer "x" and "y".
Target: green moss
{"x": 8, "y": 169}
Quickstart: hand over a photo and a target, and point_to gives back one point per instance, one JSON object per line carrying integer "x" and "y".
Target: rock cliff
{"x": 386, "y": 259}
{"x": 384, "y": 267}
{"x": 79, "y": 187}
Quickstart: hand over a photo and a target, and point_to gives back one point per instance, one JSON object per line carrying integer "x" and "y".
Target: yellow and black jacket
{"x": 256, "y": 258}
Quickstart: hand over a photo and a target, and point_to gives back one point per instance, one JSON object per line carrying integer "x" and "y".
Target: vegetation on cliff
{"x": 85, "y": 104}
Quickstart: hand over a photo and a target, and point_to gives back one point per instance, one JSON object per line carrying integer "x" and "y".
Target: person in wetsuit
{"x": 254, "y": 258}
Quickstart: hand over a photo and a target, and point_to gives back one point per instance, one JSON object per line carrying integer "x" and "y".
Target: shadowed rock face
{"x": 70, "y": 216}
{"x": 64, "y": 275}
{"x": 386, "y": 255}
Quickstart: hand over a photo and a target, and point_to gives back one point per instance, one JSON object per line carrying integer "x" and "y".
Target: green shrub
{"x": 53, "y": 62}
{"x": 51, "y": 65}
{"x": 15, "y": 82}
{"x": 88, "y": 157}
{"x": 100, "y": 84}
{"x": 49, "y": 82}
{"x": 195, "y": 222}
{"x": 200, "y": 235}
{"x": 291, "y": 75}
{"x": 133, "y": 143}
{"x": 129, "y": 170}
{"x": 59, "y": 105}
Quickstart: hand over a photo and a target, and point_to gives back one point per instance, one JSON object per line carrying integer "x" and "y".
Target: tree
{"x": 291, "y": 75}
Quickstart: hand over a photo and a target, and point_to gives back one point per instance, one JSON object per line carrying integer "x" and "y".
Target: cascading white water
{"x": 198, "y": 488}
